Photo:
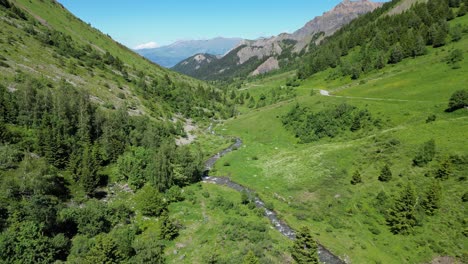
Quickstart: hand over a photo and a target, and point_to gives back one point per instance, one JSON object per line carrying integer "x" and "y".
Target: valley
{"x": 352, "y": 150}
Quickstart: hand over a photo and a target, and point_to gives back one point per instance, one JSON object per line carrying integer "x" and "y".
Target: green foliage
{"x": 148, "y": 250}
{"x": 464, "y": 197}
{"x": 458, "y": 100}
{"x": 132, "y": 165}
{"x": 385, "y": 174}
{"x": 174, "y": 194}
{"x": 431, "y": 118}
{"x": 425, "y": 153}
{"x": 309, "y": 126}
{"x": 168, "y": 229}
{"x": 149, "y": 201}
{"x": 24, "y": 242}
{"x": 250, "y": 258}
{"x": 401, "y": 217}
{"x": 305, "y": 248}
{"x": 454, "y": 58}
{"x": 356, "y": 178}
{"x": 431, "y": 199}
{"x": 91, "y": 219}
{"x": 444, "y": 170}
{"x": 105, "y": 250}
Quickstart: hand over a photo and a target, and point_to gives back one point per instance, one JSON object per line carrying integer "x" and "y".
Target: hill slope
{"x": 320, "y": 165}
{"x": 51, "y": 43}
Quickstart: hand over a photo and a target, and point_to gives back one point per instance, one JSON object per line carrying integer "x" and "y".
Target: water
{"x": 325, "y": 255}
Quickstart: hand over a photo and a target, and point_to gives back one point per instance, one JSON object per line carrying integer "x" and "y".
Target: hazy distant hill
{"x": 172, "y": 54}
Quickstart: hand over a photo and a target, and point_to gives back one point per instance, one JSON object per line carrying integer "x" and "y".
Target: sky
{"x": 151, "y": 23}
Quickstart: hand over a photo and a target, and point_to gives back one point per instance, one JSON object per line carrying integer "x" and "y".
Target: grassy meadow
{"x": 309, "y": 184}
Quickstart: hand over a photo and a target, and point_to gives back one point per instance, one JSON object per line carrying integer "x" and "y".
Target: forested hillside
{"x": 377, "y": 39}
{"x": 87, "y": 131}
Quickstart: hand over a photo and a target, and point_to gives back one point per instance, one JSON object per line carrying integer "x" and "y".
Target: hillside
{"x": 54, "y": 45}
{"x": 88, "y": 148}
{"x": 374, "y": 163}
{"x": 253, "y": 57}
{"x": 170, "y": 55}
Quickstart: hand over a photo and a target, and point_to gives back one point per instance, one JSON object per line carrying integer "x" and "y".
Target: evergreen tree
{"x": 432, "y": 197}
{"x": 88, "y": 168}
{"x": 396, "y": 54}
{"x": 444, "y": 170}
{"x": 401, "y": 217}
{"x": 356, "y": 178}
{"x": 168, "y": 230}
{"x": 250, "y": 258}
{"x": 105, "y": 251}
{"x": 305, "y": 249}
{"x": 385, "y": 174}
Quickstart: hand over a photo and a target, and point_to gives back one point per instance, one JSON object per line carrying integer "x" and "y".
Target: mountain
{"x": 170, "y": 55}
{"x": 253, "y": 57}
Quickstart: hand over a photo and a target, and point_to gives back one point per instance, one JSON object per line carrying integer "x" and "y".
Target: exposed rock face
{"x": 269, "y": 65}
{"x": 328, "y": 23}
{"x": 265, "y": 52}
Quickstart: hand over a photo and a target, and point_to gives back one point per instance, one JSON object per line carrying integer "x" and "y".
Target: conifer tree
{"x": 168, "y": 228}
{"x": 250, "y": 258}
{"x": 385, "y": 174}
{"x": 356, "y": 178}
{"x": 431, "y": 199}
{"x": 401, "y": 217}
{"x": 305, "y": 248}
{"x": 444, "y": 170}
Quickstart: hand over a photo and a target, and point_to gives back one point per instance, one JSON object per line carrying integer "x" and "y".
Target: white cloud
{"x": 149, "y": 45}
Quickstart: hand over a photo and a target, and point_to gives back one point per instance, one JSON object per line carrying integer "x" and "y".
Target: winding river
{"x": 325, "y": 255}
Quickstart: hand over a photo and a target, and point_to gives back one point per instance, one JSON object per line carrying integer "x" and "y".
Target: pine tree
{"x": 356, "y": 178}
{"x": 401, "y": 217}
{"x": 431, "y": 199}
{"x": 168, "y": 228}
{"x": 385, "y": 174}
{"x": 444, "y": 170}
{"x": 305, "y": 248}
{"x": 250, "y": 258}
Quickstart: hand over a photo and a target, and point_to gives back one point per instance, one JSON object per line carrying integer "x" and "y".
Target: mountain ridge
{"x": 258, "y": 51}
{"x": 169, "y": 55}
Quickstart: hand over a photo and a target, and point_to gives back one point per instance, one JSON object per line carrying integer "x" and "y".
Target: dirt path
{"x": 327, "y": 93}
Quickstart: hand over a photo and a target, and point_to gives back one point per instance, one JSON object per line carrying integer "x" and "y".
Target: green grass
{"x": 205, "y": 233}
{"x": 309, "y": 183}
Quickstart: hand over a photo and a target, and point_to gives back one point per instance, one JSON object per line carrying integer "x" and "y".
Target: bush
{"x": 425, "y": 154}
{"x": 149, "y": 201}
{"x": 431, "y": 118}
{"x": 458, "y": 100}
{"x": 465, "y": 197}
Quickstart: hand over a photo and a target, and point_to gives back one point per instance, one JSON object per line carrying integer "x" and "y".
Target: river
{"x": 325, "y": 255}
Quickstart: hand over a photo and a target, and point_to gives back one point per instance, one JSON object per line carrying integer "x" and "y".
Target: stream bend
{"x": 325, "y": 255}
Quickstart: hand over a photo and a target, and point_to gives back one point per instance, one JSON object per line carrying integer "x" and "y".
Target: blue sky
{"x": 165, "y": 21}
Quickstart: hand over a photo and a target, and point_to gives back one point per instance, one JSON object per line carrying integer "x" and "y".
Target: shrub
{"x": 458, "y": 100}
{"x": 431, "y": 118}
{"x": 385, "y": 174}
{"x": 149, "y": 201}
{"x": 425, "y": 154}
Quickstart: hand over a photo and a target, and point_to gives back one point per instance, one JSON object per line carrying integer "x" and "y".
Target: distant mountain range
{"x": 253, "y": 57}
{"x": 170, "y": 55}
